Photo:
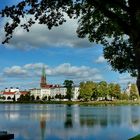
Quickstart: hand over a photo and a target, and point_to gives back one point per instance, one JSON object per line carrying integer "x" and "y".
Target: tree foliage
{"x": 91, "y": 90}
{"x": 25, "y": 98}
{"x": 102, "y": 89}
{"x": 115, "y": 24}
{"x": 86, "y": 89}
{"x": 69, "y": 85}
{"x": 133, "y": 92}
{"x": 117, "y": 91}
{"x": 111, "y": 89}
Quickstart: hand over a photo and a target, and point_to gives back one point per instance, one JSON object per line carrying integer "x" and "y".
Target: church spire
{"x": 43, "y": 72}
{"x": 43, "y": 78}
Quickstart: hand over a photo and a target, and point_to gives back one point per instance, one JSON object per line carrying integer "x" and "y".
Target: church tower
{"x": 43, "y": 78}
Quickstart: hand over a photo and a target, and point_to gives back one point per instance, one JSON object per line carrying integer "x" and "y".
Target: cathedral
{"x": 47, "y": 90}
{"x": 43, "y": 81}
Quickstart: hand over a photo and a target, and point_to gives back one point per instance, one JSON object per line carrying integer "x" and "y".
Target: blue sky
{"x": 60, "y": 50}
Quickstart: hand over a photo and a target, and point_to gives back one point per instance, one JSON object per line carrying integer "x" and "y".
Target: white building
{"x": 11, "y": 94}
{"x": 75, "y": 92}
{"x": 53, "y": 91}
{"x": 128, "y": 88}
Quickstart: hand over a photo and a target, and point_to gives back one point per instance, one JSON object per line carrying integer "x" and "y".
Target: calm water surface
{"x": 62, "y": 122}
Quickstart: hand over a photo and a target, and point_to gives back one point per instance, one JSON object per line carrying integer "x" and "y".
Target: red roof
{"x": 8, "y": 93}
{"x": 12, "y": 93}
{"x": 50, "y": 86}
{"x": 24, "y": 92}
{"x": 47, "y": 86}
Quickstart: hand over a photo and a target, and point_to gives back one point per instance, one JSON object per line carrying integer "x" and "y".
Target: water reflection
{"x": 68, "y": 121}
{"x": 44, "y": 122}
{"x": 43, "y": 126}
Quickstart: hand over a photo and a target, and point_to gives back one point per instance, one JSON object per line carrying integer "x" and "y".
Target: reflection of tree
{"x": 43, "y": 127}
{"x": 103, "y": 122}
{"x": 88, "y": 121}
{"x": 68, "y": 122}
{"x": 135, "y": 121}
{"x": 115, "y": 119}
{"x": 135, "y": 117}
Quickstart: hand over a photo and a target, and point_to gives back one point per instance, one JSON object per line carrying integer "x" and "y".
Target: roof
{"x": 47, "y": 86}
{"x": 12, "y": 93}
{"x": 24, "y": 92}
{"x": 8, "y": 93}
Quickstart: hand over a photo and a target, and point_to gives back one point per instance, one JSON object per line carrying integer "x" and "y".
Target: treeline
{"x": 103, "y": 91}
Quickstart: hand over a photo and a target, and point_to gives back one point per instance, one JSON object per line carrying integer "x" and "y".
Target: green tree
{"x": 58, "y": 96}
{"x": 94, "y": 91}
{"x": 114, "y": 90}
{"x": 25, "y": 98}
{"x": 49, "y": 98}
{"x": 32, "y": 97}
{"x": 69, "y": 86}
{"x": 2, "y": 97}
{"x": 14, "y": 98}
{"x": 111, "y": 90}
{"x": 133, "y": 92}
{"x": 21, "y": 98}
{"x": 124, "y": 96}
{"x": 102, "y": 89}
{"x": 86, "y": 90}
{"x": 99, "y": 20}
{"x": 117, "y": 91}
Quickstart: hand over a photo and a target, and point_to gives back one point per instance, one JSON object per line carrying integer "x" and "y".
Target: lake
{"x": 63, "y": 122}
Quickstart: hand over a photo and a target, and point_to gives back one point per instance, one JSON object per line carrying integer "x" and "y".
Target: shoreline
{"x": 92, "y": 103}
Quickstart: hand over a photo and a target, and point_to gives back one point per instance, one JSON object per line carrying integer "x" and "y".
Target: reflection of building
{"x": 43, "y": 127}
{"x": 47, "y": 90}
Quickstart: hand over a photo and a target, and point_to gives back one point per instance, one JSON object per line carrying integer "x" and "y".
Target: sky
{"x": 64, "y": 55}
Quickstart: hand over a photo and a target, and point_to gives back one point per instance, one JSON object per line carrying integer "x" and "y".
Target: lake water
{"x": 63, "y": 122}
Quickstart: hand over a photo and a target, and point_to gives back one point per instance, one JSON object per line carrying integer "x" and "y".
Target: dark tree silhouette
{"x": 115, "y": 24}
{"x": 68, "y": 84}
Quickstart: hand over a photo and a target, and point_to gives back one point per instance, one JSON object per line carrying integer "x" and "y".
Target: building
{"x": 128, "y": 88}
{"x": 49, "y": 90}
{"x": 10, "y": 94}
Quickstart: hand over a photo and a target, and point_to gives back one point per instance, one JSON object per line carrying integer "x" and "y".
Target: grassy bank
{"x": 120, "y": 102}
{"x": 117, "y": 102}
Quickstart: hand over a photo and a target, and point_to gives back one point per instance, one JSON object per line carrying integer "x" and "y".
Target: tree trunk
{"x": 138, "y": 81}
{"x": 137, "y": 52}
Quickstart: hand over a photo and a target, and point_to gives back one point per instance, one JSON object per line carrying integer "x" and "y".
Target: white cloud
{"x": 15, "y": 71}
{"x": 33, "y": 66}
{"x": 39, "y": 36}
{"x": 124, "y": 79}
{"x": 66, "y": 70}
{"x": 77, "y": 73}
{"x": 100, "y": 59}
